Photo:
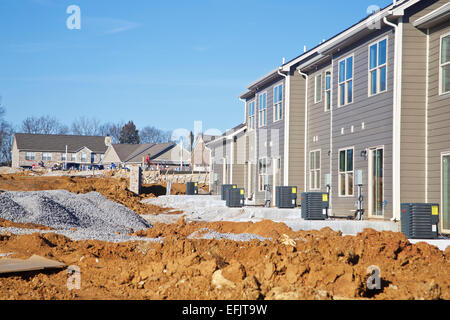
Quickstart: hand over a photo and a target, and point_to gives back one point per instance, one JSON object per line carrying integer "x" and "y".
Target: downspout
{"x": 396, "y": 195}
{"x": 306, "y": 129}
{"x": 287, "y": 88}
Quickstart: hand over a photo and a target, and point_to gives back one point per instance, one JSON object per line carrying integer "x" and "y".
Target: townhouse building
{"x": 365, "y": 110}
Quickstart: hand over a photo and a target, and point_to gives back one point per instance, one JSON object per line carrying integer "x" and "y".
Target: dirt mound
{"x": 318, "y": 265}
{"x": 115, "y": 189}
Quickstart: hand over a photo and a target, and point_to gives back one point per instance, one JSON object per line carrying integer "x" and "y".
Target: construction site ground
{"x": 189, "y": 259}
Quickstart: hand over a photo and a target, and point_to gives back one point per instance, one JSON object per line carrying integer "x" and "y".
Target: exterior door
{"x": 276, "y": 177}
{"x": 445, "y": 193}
{"x": 376, "y": 182}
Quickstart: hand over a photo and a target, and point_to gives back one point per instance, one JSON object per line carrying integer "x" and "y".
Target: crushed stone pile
{"x": 63, "y": 210}
{"x": 209, "y": 234}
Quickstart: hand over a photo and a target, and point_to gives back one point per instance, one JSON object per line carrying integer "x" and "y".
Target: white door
{"x": 276, "y": 177}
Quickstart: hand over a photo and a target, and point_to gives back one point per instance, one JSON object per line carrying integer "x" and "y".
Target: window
{"x": 327, "y": 90}
{"x": 262, "y": 171}
{"x": 63, "y": 157}
{"x": 346, "y": 81}
{"x": 377, "y": 67}
{"x": 83, "y": 157}
{"x": 445, "y": 65}
{"x": 278, "y": 102}
{"x": 346, "y": 172}
{"x": 30, "y": 156}
{"x": 262, "y": 109}
{"x": 318, "y": 89}
{"x": 314, "y": 170}
{"x": 46, "y": 156}
{"x": 251, "y": 115}
{"x": 92, "y": 157}
{"x": 72, "y": 157}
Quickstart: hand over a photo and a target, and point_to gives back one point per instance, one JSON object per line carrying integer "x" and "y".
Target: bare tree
{"x": 6, "y": 137}
{"x": 154, "y": 135}
{"x": 43, "y": 125}
{"x": 86, "y": 127}
{"x": 112, "y": 129}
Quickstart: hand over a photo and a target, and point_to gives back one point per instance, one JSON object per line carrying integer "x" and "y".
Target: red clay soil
{"x": 115, "y": 189}
{"x": 316, "y": 265}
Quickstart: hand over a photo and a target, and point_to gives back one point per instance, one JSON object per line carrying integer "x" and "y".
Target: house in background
{"x": 161, "y": 155}
{"x": 228, "y": 159}
{"x": 29, "y": 150}
{"x": 201, "y": 154}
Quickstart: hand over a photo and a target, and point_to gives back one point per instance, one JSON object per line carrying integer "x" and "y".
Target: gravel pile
{"x": 209, "y": 234}
{"x": 63, "y": 210}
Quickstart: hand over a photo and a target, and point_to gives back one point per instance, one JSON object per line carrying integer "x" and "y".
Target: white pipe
{"x": 396, "y": 195}
{"x": 306, "y": 129}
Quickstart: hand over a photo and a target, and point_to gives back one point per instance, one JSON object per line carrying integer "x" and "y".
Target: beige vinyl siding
{"x": 296, "y": 132}
{"x": 413, "y": 110}
{"x": 438, "y": 116}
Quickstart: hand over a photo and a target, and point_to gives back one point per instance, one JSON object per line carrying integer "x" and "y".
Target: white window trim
{"x": 377, "y": 68}
{"x": 346, "y": 81}
{"x": 369, "y": 180}
{"x": 325, "y": 90}
{"x": 261, "y": 185}
{"x": 279, "y": 103}
{"x": 261, "y": 110}
{"x": 441, "y": 65}
{"x": 315, "y": 170}
{"x": 32, "y": 156}
{"x": 339, "y": 173}
{"x": 441, "y": 216}
{"x": 45, "y": 156}
{"x": 321, "y": 88}
{"x": 250, "y": 118}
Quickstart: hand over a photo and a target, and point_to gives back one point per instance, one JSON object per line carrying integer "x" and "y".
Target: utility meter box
{"x": 285, "y": 197}
{"x": 420, "y": 220}
{"x": 191, "y": 188}
{"x": 314, "y": 205}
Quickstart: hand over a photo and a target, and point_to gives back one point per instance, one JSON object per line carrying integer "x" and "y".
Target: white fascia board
{"x": 310, "y": 62}
{"x": 227, "y": 137}
{"x": 399, "y": 9}
{"x": 427, "y": 20}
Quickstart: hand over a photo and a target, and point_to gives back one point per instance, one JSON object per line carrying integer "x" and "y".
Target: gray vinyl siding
{"x": 438, "y": 116}
{"x": 375, "y": 112}
{"x": 318, "y": 126}
{"x": 296, "y": 132}
{"x": 273, "y": 133}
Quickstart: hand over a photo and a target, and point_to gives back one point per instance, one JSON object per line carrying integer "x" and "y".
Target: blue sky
{"x": 158, "y": 63}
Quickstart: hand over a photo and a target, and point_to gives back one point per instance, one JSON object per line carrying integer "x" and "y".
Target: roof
{"x": 133, "y": 153}
{"x": 58, "y": 143}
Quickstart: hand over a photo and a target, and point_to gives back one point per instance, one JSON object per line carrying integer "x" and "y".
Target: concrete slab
{"x": 211, "y": 208}
{"x": 442, "y": 244}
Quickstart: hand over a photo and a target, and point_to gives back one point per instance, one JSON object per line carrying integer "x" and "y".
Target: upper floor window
{"x": 30, "y": 156}
{"x": 92, "y": 157}
{"x": 327, "y": 90}
{"x": 445, "y": 64}
{"x": 46, "y": 156}
{"x": 251, "y": 115}
{"x": 346, "y": 81}
{"x": 346, "y": 172}
{"x": 318, "y": 89}
{"x": 83, "y": 157}
{"x": 377, "y": 67}
{"x": 262, "y": 109}
{"x": 63, "y": 156}
{"x": 278, "y": 102}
